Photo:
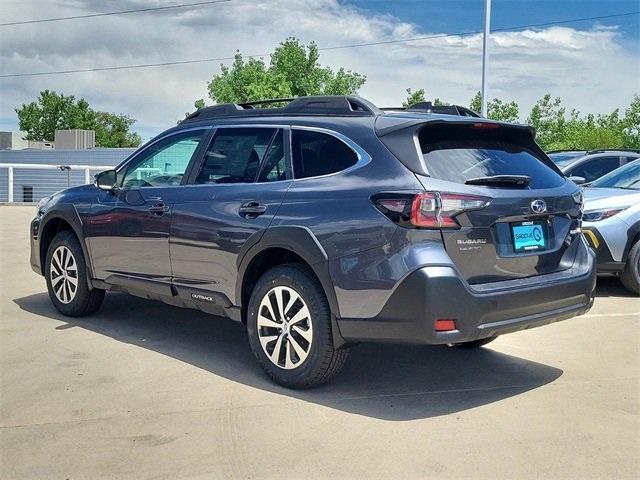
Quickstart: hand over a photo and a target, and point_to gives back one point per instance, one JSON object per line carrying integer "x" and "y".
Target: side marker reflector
{"x": 445, "y": 325}
{"x": 591, "y": 238}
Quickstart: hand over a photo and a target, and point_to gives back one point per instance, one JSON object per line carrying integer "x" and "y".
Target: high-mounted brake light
{"x": 486, "y": 125}
{"x": 438, "y": 210}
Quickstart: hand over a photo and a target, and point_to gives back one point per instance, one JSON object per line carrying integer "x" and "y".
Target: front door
{"x": 128, "y": 230}
{"x": 233, "y": 195}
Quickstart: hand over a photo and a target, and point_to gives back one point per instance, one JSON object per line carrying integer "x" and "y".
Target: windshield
{"x": 627, "y": 176}
{"x": 564, "y": 158}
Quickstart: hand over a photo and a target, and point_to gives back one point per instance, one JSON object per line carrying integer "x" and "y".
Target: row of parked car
{"x": 611, "y": 219}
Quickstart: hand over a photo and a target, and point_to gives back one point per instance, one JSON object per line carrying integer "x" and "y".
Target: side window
{"x": 593, "y": 169}
{"x": 164, "y": 162}
{"x": 275, "y": 166}
{"x": 316, "y": 153}
{"x": 234, "y": 155}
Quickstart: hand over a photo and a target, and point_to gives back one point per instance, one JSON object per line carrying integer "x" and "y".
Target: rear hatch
{"x": 524, "y": 215}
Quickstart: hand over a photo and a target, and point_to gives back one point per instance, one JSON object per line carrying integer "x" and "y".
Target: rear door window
{"x": 235, "y": 155}
{"x": 458, "y": 153}
{"x": 316, "y": 153}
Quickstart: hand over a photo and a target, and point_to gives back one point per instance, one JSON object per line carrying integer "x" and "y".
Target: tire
{"x": 305, "y": 354}
{"x": 474, "y": 343}
{"x": 630, "y": 276}
{"x": 65, "y": 264}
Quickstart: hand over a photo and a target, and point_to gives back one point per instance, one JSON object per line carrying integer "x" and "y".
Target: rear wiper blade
{"x": 517, "y": 180}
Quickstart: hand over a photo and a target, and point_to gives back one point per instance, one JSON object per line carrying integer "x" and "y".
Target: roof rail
{"x": 604, "y": 150}
{"x": 216, "y": 110}
{"x": 562, "y": 150}
{"x": 428, "y": 107}
{"x": 340, "y": 105}
{"x": 269, "y": 101}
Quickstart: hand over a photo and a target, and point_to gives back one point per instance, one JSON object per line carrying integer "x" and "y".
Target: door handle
{"x": 252, "y": 209}
{"x": 158, "y": 208}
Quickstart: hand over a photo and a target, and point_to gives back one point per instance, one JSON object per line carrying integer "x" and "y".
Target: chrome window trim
{"x": 363, "y": 157}
{"x": 252, "y": 125}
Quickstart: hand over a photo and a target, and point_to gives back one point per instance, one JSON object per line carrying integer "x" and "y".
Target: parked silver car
{"x": 587, "y": 166}
{"x": 611, "y": 223}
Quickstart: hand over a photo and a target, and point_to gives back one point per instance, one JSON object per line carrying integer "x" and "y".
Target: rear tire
{"x": 630, "y": 276}
{"x": 474, "y": 343}
{"x": 289, "y": 327}
{"x": 66, "y": 276}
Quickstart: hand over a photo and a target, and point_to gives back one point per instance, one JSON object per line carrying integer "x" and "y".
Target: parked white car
{"x": 611, "y": 223}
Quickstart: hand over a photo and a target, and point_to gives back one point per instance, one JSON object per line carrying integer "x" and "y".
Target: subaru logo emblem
{"x": 538, "y": 206}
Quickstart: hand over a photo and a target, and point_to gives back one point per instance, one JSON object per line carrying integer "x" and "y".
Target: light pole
{"x": 485, "y": 54}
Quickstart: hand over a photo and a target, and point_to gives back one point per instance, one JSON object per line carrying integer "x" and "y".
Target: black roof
{"x": 326, "y": 105}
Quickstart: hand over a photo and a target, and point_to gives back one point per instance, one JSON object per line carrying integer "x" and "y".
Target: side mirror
{"x": 577, "y": 180}
{"x": 107, "y": 180}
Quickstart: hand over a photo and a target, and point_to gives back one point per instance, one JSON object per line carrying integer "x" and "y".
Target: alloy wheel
{"x": 285, "y": 329}
{"x": 64, "y": 274}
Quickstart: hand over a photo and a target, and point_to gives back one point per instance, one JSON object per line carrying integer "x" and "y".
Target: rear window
{"x": 459, "y": 153}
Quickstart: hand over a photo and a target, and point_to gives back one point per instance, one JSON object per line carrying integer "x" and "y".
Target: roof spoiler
{"x": 428, "y": 107}
{"x": 479, "y": 122}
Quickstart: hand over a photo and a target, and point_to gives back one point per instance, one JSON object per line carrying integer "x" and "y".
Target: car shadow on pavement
{"x": 390, "y": 382}
{"x": 611, "y": 287}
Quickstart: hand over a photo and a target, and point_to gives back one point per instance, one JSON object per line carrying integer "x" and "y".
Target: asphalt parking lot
{"x": 144, "y": 390}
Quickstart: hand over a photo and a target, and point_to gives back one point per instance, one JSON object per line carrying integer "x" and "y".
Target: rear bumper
{"x": 437, "y": 292}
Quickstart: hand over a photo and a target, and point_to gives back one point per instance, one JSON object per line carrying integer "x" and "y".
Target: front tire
{"x": 289, "y": 327}
{"x": 66, "y": 276}
{"x": 630, "y": 276}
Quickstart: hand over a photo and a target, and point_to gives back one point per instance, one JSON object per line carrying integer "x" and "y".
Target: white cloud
{"x": 589, "y": 69}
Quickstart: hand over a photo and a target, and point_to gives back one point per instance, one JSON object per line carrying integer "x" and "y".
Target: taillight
{"x": 428, "y": 209}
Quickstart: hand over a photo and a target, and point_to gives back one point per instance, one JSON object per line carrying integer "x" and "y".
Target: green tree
{"x": 418, "y": 96}
{"x": 557, "y": 131}
{"x": 548, "y": 118}
{"x": 293, "y": 70}
{"x": 414, "y": 97}
{"x": 496, "y": 109}
{"x": 55, "y": 111}
{"x": 631, "y": 124}
{"x": 112, "y": 131}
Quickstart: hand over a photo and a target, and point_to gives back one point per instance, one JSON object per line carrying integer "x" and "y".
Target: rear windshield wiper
{"x": 500, "y": 180}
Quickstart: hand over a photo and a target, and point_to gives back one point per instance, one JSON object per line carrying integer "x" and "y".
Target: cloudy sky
{"x": 593, "y": 65}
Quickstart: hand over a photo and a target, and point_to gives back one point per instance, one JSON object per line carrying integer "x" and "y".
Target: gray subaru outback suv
{"x": 328, "y": 222}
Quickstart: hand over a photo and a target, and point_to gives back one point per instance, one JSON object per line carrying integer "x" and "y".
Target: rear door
{"x": 230, "y": 199}
{"x": 524, "y": 230}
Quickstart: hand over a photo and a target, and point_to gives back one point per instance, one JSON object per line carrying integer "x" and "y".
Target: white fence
{"x": 29, "y": 182}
